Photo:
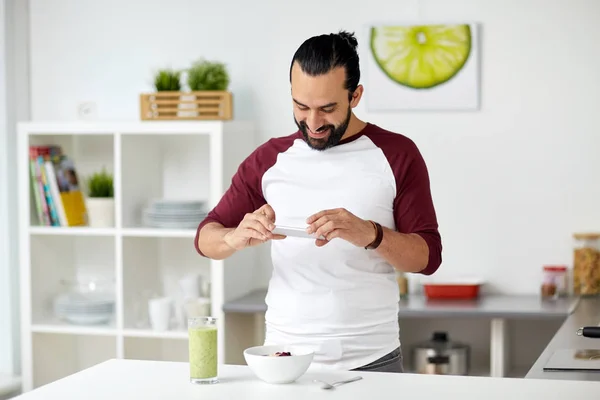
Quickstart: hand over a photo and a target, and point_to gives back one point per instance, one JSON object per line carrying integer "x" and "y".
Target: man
{"x": 365, "y": 189}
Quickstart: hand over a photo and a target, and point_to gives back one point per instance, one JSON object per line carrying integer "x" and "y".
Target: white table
{"x": 132, "y": 379}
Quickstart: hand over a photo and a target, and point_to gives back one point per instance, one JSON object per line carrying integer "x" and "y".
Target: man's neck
{"x": 354, "y": 126}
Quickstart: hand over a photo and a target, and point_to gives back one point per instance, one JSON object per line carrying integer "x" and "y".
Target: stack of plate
{"x": 84, "y": 308}
{"x": 174, "y": 214}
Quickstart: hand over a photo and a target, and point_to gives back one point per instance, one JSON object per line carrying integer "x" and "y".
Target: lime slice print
{"x": 421, "y": 57}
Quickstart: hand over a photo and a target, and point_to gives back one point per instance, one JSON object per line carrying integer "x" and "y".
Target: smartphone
{"x": 292, "y": 231}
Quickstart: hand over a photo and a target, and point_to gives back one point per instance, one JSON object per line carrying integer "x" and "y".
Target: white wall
{"x": 14, "y": 106}
{"x": 6, "y": 348}
{"x": 510, "y": 182}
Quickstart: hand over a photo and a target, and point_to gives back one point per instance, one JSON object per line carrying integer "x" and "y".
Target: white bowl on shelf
{"x": 85, "y": 301}
{"x": 278, "y": 370}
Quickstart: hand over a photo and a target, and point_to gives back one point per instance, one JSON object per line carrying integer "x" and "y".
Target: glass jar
{"x": 554, "y": 283}
{"x": 402, "y": 280}
{"x": 586, "y": 264}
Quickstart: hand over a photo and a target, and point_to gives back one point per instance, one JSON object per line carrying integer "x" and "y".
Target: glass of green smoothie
{"x": 202, "y": 333}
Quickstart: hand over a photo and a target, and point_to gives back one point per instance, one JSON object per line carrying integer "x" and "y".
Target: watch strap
{"x": 378, "y": 237}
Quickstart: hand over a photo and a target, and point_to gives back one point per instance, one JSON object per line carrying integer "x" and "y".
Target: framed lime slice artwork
{"x": 421, "y": 56}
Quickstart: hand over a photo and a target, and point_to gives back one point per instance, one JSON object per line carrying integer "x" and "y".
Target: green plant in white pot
{"x": 100, "y": 202}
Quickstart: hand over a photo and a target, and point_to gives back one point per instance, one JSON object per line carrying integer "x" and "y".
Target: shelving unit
{"x": 149, "y": 160}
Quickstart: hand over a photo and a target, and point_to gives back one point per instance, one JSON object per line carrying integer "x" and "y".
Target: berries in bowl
{"x": 278, "y": 364}
{"x": 281, "y": 354}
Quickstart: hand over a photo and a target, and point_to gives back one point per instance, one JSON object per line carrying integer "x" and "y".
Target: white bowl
{"x": 285, "y": 369}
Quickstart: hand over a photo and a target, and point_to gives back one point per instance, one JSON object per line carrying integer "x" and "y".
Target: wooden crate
{"x": 204, "y": 105}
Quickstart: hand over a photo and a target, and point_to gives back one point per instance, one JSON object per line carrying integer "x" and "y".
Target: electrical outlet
{"x": 87, "y": 110}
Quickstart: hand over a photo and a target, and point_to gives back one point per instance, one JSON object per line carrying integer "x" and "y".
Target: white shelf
{"x": 135, "y": 127}
{"x": 71, "y": 231}
{"x": 149, "y": 160}
{"x": 59, "y": 327}
{"x": 130, "y": 232}
{"x": 63, "y": 328}
{"x": 146, "y": 333}
{"x": 158, "y": 233}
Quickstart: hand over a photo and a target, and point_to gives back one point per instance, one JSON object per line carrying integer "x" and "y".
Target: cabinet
{"x": 176, "y": 160}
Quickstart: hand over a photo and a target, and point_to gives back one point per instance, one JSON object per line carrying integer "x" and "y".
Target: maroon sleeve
{"x": 414, "y": 211}
{"x": 244, "y": 195}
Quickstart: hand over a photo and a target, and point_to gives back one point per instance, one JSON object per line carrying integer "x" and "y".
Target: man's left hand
{"x": 341, "y": 223}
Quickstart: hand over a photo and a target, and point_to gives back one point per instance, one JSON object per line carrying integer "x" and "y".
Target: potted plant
{"x": 167, "y": 83}
{"x": 207, "y": 75}
{"x": 167, "y": 80}
{"x": 207, "y": 97}
{"x": 100, "y": 202}
{"x": 208, "y": 82}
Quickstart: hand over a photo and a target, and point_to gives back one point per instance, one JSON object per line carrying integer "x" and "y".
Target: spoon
{"x": 326, "y": 385}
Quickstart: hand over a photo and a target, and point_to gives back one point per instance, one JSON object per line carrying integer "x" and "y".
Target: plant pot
{"x": 101, "y": 212}
{"x": 194, "y": 105}
{"x": 187, "y": 107}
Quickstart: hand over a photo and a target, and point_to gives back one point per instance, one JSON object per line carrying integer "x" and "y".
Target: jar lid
{"x": 555, "y": 268}
{"x": 586, "y": 235}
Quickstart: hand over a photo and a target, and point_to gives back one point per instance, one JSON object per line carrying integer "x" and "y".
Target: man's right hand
{"x": 254, "y": 229}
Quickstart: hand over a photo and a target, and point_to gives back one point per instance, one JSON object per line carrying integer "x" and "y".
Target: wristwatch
{"x": 378, "y": 237}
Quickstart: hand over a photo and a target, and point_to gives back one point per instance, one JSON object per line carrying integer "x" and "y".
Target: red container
{"x": 455, "y": 289}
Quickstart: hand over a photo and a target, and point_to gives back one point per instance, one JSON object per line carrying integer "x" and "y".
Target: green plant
{"x": 208, "y": 75}
{"x": 100, "y": 184}
{"x": 167, "y": 80}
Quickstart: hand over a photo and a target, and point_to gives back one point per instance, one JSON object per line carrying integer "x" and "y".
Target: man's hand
{"x": 341, "y": 223}
{"x": 254, "y": 229}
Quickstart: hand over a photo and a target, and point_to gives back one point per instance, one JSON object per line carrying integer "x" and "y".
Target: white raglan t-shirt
{"x": 340, "y": 299}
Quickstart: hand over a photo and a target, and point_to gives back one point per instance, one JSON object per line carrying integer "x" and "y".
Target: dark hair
{"x": 320, "y": 54}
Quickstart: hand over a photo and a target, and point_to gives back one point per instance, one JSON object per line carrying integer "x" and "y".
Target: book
{"x": 58, "y": 197}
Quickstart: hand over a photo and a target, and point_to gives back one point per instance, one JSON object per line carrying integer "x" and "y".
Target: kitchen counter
{"x": 587, "y": 313}
{"x": 489, "y": 306}
{"x": 253, "y": 302}
{"x": 498, "y": 309}
{"x": 133, "y": 379}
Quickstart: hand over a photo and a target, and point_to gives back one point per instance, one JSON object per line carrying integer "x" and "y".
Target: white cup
{"x": 191, "y": 286}
{"x": 159, "y": 311}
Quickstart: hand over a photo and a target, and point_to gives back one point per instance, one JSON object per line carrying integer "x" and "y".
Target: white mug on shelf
{"x": 159, "y": 311}
{"x": 191, "y": 286}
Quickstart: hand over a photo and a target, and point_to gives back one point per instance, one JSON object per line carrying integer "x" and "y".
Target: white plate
{"x": 171, "y": 224}
{"x": 177, "y": 204}
{"x": 84, "y": 309}
{"x": 88, "y": 319}
{"x": 173, "y": 212}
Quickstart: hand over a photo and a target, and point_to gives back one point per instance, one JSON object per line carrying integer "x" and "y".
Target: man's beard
{"x": 335, "y": 133}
